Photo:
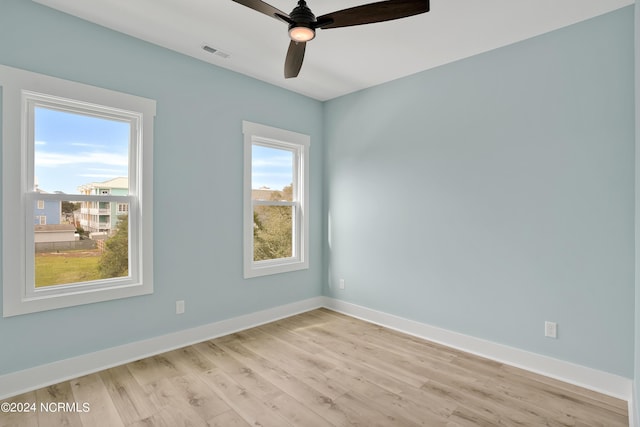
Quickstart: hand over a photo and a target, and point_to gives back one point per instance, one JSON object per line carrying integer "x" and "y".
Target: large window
{"x": 83, "y": 156}
{"x": 276, "y": 195}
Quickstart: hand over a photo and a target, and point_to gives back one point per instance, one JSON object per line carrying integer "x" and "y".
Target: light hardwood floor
{"x": 319, "y": 368}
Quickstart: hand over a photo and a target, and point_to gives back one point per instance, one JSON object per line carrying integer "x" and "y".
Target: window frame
{"x": 22, "y": 92}
{"x": 299, "y": 144}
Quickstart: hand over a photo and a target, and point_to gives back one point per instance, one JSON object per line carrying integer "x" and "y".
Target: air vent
{"x": 215, "y": 51}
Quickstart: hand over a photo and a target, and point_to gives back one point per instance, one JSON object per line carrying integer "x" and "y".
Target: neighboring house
{"x": 46, "y": 211}
{"x": 47, "y": 221}
{"x": 103, "y": 216}
{"x": 54, "y": 233}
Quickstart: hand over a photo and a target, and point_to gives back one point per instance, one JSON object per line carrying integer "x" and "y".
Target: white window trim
{"x": 255, "y": 133}
{"x": 17, "y": 194}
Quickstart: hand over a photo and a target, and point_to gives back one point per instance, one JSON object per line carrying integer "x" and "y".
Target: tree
{"x": 69, "y": 207}
{"x": 272, "y": 228}
{"x": 115, "y": 259}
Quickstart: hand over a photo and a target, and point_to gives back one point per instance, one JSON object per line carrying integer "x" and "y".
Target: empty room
{"x": 321, "y": 213}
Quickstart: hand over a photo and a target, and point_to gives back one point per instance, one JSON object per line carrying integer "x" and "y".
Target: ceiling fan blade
{"x": 265, "y": 8}
{"x": 295, "y": 56}
{"x": 372, "y": 12}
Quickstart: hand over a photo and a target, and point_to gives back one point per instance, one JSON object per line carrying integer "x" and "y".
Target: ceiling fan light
{"x": 301, "y": 34}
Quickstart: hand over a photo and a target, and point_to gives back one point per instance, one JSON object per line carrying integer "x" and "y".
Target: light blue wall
{"x": 198, "y": 185}
{"x": 491, "y": 194}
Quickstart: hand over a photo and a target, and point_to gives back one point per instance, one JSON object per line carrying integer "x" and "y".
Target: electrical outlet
{"x": 341, "y": 283}
{"x": 180, "y": 307}
{"x": 551, "y": 329}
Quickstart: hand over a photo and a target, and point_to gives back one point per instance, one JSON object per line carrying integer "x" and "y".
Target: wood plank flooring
{"x": 319, "y": 368}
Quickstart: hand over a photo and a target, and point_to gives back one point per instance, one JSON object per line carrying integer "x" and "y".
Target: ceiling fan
{"x": 303, "y": 23}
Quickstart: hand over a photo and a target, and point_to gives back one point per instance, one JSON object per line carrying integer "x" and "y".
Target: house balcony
{"x": 96, "y": 226}
{"x": 95, "y": 211}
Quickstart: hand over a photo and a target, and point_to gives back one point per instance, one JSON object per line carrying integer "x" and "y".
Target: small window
{"x": 75, "y": 149}
{"x": 276, "y": 200}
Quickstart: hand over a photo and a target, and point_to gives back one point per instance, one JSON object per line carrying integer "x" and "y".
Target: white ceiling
{"x": 341, "y": 60}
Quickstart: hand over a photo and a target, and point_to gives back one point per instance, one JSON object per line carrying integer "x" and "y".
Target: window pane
{"x": 66, "y": 252}
{"x": 72, "y": 149}
{"x": 271, "y": 173}
{"x": 272, "y": 232}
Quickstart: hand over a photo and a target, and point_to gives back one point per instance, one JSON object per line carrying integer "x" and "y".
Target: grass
{"x": 66, "y": 267}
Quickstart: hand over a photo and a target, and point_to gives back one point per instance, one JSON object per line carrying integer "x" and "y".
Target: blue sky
{"x": 73, "y": 149}
{"x": 271, "y": 168}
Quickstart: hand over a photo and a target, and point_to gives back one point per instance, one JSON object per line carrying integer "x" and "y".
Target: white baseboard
{"x": 52, "y": 373}
{"x": 592, "y": 379}
{"x": 30, "y": 379}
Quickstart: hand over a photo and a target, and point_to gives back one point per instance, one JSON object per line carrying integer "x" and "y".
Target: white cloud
{"x": 118, "y": 172}
{"x": 282, "y": 161}
{"x": 98, "y": 175}
{"x": 87, "y": 144}
{"x": 272, "y": 175}
{"x": 45, "y": 159}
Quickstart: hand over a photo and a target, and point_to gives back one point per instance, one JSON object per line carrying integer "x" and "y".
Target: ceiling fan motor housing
{"x": 301, "y": 16}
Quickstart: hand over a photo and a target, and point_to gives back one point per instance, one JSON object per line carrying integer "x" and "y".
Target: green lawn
{"x": 66, "y": 267}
